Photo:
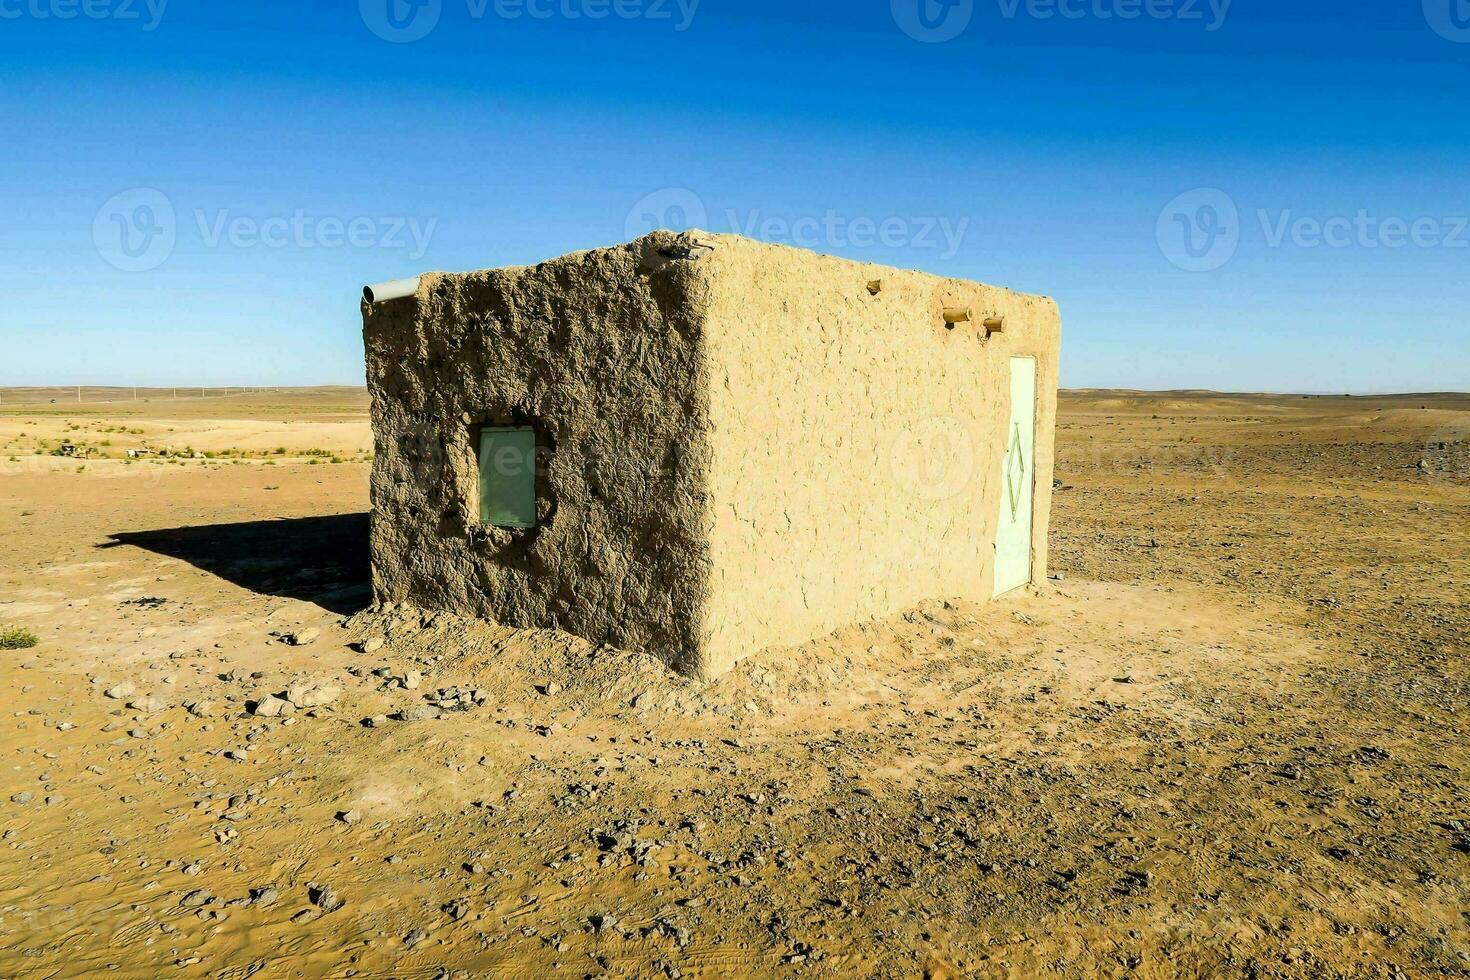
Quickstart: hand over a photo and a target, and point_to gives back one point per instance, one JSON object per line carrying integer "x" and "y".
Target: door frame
{"x": 996, "y": 591}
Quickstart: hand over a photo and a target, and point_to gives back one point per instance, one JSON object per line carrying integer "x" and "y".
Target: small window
{"x": 508, "y": 477}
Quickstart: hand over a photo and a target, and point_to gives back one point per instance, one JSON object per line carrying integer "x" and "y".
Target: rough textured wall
{"x": 601, "y": 352}
{"x": 857, "y": 442}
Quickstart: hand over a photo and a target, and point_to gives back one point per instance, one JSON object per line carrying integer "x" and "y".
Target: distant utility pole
{"x": 79, "y": 394}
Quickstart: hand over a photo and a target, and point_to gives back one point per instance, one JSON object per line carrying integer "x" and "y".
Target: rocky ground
{"x": 1229, "y": 741}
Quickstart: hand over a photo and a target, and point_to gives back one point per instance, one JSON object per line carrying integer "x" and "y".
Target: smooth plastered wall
{"x": 857, "y": 440}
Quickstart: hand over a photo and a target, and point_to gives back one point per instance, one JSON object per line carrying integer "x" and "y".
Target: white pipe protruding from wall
{"x": 397, "y": 289}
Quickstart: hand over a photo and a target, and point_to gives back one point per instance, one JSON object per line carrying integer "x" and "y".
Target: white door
{"x": 1017, "y": 482}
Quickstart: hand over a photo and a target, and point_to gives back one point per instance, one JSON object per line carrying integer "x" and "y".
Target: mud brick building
{"x": 701, "y": 445}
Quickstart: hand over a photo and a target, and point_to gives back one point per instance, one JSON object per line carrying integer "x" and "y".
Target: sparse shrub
{"x": 16, "y": 638}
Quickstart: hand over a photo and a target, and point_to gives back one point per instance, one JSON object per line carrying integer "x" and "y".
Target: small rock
{"x": 119, "y": 691}
{"x": 302, "y": 638}
{"x": 149, "y": 704}
{"x": 196, "y": 899}
{"x": 312, "y": 694}
{"x": 265, "y": 895}
{"x": 412, "y": 680}
{"x": 372, "y": 644}
{"x": 418, "y": 712}
{"x": 325, "y": 897}
{"x": 271, "y": 706}
{"x": 22, "y": 798}
{"x": 550, "y": 688}
{"x": 414, "y": 937}
{"x": 350, "y": 817}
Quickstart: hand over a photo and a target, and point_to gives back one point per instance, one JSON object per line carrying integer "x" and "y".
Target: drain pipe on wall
{"x": 384, "y": 291}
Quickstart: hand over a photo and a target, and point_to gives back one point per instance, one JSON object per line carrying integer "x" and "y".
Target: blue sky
{"x": 1259, "y": 195}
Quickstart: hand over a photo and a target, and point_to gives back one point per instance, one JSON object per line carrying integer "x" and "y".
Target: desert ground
{"x": 1228, "y": 738}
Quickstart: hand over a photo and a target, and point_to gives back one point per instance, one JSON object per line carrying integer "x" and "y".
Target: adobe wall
{"x": 603, "y": 356}
{"x": 745, "y": 447}
{"x": 856, "y": 442}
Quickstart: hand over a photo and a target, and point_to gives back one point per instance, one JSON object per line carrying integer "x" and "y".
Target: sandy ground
{"x": 1230, "y": 741}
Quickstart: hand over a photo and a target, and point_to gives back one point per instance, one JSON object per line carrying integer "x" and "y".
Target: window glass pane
{"x": 508, "y": 477}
